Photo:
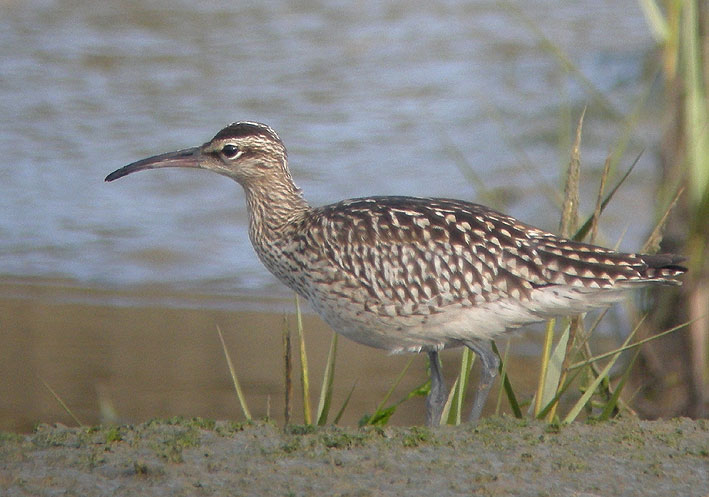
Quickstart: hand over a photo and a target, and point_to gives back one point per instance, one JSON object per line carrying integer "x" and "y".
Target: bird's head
{"x": 247, "y": 152}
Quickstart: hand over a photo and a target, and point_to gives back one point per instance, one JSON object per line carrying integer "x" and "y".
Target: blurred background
{"x": 111, "y": 293}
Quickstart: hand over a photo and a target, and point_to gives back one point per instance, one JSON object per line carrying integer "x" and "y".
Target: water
{"x": 368, "y": 97}
{"x": 111, "y": 293}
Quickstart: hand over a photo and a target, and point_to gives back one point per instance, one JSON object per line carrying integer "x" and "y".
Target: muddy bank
{"x": 131, "y": 355}
{"x": 501, "y": 456}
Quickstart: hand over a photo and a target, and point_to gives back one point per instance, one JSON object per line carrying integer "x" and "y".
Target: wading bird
{"x": 408, "y": 274}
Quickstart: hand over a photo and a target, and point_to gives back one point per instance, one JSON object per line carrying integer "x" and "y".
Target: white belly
{"x": 447, "y": 326}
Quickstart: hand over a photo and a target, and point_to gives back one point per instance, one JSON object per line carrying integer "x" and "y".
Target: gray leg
{"x": 438, "y": 395}
{"x": 488, "y": 372}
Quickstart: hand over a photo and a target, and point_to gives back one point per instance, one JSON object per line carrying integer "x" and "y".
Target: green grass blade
{"x": 590, "y": 390}
{"x": 397, "y": 380}
{"x": 529, "y": 166}
{"x": 612, "y": 403}
{"x": 555, "y": 368}
{"x": 570, "y": 206}
{"x": 456, "y": 401}
{"x": 503, "y": 374}
{"x": 234, "y": 379}
{"x": 61, "y": 402}
{"x": 652, "y": 244}
{"x": 379, "y": 418}
{"x": 344, "y": 404}
{"x": 600, "y": 100}
{"x": 382, "y": 414}
{"x": 633, "y": 345}
{"x": 596, "y": 217}
{"x": 468, "y": 171}
{"x": 586, "y": 397}
{"x": 696, "y": 113}
{"x": 628, "y": 133}
{"x": 555, "y": 400}
{"x": 546, "y": 352}
{"x": 304, "y": 376}
{"x": 655, "y": 19}
{"x": 449, "y": 415}
{"x": 507, "y": 385}
{"x": 328, "y": 378}
{"x": 586, "y": 227}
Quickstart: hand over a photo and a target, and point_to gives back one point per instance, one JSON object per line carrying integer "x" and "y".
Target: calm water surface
{"x": 369, "y": 97}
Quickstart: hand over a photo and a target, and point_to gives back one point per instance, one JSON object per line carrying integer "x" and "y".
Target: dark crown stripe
{"x": 244, "y": 129}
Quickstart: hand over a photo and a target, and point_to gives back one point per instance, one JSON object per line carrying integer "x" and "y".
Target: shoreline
{"x": 163, "y": 357}
{"x": 500, "y": 456}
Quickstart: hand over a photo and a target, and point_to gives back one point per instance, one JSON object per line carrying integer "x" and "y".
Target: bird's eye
{"x": 230, "y": 151}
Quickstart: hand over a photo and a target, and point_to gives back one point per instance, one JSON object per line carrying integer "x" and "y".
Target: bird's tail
{"x": 663, "y": 269}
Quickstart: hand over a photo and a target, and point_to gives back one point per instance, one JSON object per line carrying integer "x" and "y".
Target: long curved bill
{"x": 188, "y": 157}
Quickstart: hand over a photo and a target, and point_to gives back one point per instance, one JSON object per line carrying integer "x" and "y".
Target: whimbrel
{"x": 410, "y": 274}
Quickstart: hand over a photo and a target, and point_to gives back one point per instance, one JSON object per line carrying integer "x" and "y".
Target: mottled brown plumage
{"x": 412, "y": 274}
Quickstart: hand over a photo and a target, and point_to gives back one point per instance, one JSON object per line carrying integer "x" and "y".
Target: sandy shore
{"x": 109, "y": 357}
{"x": 129, "y": 356}
{"x": 132, "y": 355}
{"x": 500, "y": 457}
